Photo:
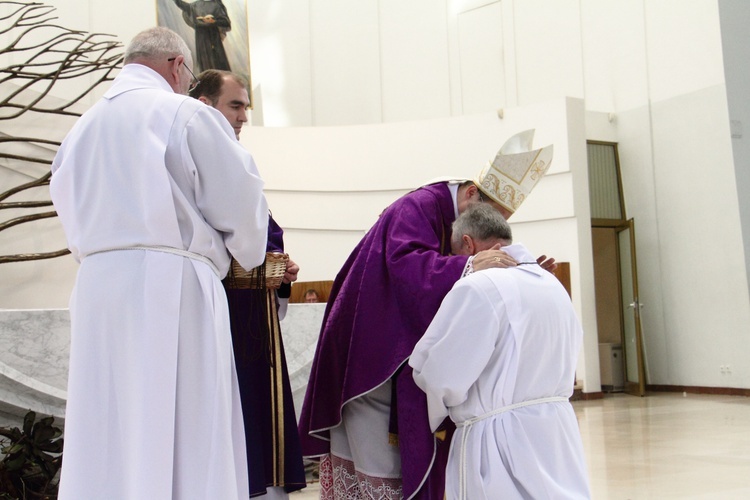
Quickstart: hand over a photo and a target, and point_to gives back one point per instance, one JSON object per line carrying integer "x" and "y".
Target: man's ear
{"x": 471, "y": 190}
{"x": 204, "y": 100}
{"x": 468, "y": 243}
{"x": 174, "y": 68}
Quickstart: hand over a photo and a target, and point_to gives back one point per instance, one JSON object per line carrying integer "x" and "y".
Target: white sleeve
{"x": 283, "y": 306}
{"x": 455, "y": 349}
{"x": 229, "y": 190}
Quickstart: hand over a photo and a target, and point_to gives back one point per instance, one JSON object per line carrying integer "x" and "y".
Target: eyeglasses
{"x": 195, "y": 81}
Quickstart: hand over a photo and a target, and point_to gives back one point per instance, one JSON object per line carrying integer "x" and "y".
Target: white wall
{"x": 735, "y": 40}
{"x": 675, "y": 153}
{"x": 280, "y": 61}
{"x": 698, "y": 297}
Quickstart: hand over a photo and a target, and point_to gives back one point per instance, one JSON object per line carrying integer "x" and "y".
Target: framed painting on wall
{"x": 215, "y": 31}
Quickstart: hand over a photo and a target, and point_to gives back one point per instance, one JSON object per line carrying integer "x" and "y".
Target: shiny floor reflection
{"x": 667, "y": 445}
{"x": 664, "y": 445}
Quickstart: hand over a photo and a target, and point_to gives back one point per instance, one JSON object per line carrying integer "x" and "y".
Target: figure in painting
{"x": 211, "y": 23}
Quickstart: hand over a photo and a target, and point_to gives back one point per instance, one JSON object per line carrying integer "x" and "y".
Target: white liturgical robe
{"x": 499, "y": 359}
{"x": 153, "y": 407}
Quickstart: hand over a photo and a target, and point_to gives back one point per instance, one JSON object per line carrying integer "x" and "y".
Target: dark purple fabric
{"x": 251, "y": 345}
{"x": 381, "y": 303}
{"x": 275, "y": 237}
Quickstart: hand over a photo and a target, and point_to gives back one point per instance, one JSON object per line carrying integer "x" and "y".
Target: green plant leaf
{"x": 16, "y": 448}
{"x": 43, "y": 434}
{"x": 28, "y": 421}
{"x": 13, "y": 434}
{"x": 52, "y": 447}
{"x": 16, "y": 463}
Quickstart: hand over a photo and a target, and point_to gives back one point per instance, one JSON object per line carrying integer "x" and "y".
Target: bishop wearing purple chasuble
{"x": 381, "y": 303}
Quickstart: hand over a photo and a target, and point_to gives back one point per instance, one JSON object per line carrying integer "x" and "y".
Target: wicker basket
{"x": 275, "y": 267}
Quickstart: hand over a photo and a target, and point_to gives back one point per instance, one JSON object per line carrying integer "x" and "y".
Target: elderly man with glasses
{"x": 154, "y": 193}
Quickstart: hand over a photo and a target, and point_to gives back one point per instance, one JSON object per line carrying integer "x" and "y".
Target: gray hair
{"x": 481, "y": 222}
{"x": 156, "y": 43}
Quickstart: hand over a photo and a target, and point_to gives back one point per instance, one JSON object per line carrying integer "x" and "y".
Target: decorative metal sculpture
{"x": 35, "y": 55}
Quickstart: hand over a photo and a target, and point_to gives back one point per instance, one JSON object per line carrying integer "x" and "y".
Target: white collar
{"x": 136, "y": 76}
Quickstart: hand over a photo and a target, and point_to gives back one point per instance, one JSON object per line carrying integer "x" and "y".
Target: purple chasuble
{"x": 275, "y": 237}
{"x": 380, "y": 305}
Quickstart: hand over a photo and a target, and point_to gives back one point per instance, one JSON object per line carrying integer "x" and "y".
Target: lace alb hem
{"x": 340, "y": 481}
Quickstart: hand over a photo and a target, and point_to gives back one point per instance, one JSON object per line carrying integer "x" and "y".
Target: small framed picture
{"x": 215, "y": 31}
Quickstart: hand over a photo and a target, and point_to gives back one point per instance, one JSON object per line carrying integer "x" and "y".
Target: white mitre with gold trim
{"x": 514, "y": 172}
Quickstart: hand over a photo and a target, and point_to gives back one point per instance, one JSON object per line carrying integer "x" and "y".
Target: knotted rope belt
{"x": 470, "y": 422}
{"x": 165, "y": 249}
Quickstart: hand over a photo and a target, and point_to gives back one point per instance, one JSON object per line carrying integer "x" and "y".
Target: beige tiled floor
{"x": 661, "y": 446}
{"x": 667, "y": 445}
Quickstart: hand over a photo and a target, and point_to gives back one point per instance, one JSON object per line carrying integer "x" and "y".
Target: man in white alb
{"x": 154, "y": 192}
{"x": 499, "y": 359}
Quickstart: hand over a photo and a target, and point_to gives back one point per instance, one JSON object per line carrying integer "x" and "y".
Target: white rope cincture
{"x": 165, "y": 249}
{"x": 470, "y": 422}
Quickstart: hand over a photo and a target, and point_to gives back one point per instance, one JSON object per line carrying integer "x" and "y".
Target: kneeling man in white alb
{"x": 499, "y": 358}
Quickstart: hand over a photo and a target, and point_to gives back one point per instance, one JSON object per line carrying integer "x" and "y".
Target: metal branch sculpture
{"x": 48, "y": 54}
